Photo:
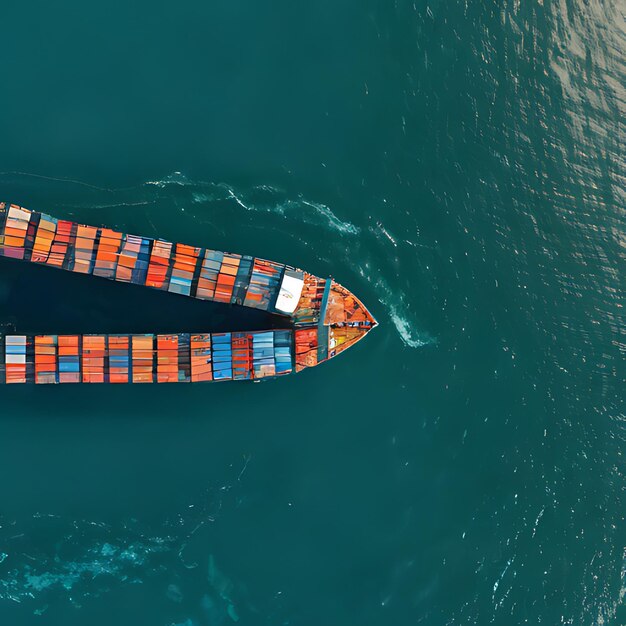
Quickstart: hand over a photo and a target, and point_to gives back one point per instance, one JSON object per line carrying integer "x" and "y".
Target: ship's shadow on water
{"x": 36, "y": 299}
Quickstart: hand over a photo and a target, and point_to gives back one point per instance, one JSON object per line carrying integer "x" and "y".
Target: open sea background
{"x": 459, "y": 166}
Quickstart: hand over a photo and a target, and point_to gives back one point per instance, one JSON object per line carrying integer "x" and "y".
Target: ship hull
{"x": 324, "y": 317}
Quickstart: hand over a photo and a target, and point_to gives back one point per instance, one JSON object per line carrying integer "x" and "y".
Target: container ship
{"x": 323, "y": 318}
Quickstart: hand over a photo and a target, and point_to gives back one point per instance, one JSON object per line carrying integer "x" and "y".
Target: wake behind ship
{"x": 324, "y": 318}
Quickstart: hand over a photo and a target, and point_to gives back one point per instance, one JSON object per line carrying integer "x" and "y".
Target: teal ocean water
{"x": 461, "y": 168}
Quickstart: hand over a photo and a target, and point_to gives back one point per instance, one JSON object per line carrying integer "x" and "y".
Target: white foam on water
{"x": 397, "y": 310}
{"x": 381, "y": 230}
{"x": 276, "y": 202}
{"x": 410, "y": 336}
{"x": 126, "y": 562}
{"x": 175, "y": 178}
{"x": 331, "y": 219}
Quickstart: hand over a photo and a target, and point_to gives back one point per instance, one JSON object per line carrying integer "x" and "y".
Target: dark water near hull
{"x": 460, "y": 167}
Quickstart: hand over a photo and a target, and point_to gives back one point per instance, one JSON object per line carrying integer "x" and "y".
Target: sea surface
{"x": 460, "y": 166}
